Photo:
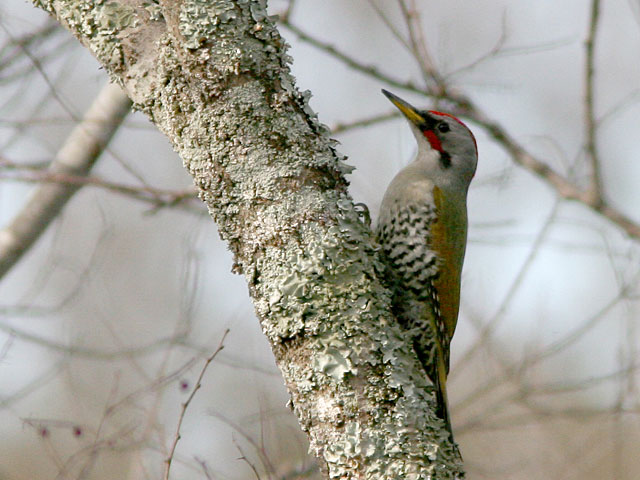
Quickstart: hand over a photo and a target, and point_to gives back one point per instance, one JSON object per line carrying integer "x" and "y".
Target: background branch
{"x": 464, "y": 107}
{"x": 214, "y": 78}
{"x": 595, "y": 190}
{"x": 102, "y": 323}
{"x": 76, "y": 157}
{"x": 185, "y": 405}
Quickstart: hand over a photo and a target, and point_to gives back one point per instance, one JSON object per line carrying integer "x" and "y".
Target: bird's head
{"x": 444, "y": 142}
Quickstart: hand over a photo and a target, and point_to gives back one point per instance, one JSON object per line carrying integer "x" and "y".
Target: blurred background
{"x": 105, "y": 324}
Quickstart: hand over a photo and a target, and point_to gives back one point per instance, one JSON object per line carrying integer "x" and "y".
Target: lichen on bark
{"x": 214, "y": 77}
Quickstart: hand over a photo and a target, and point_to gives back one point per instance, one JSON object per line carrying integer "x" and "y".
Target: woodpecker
{"x": 422, "y": 231}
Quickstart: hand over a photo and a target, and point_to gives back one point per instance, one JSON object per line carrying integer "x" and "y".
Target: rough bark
{"x": 213, "y": 76}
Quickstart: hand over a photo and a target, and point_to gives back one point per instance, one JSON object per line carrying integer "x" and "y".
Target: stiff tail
{"x": 442, "y": 408}
{"x": 440, "y": 382}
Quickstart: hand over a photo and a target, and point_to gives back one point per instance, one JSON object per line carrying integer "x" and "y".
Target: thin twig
{"x": 155, "y": 196}
{"x": 419, "y": 49}
{"x": 500, "y": 51}
{"x": 390, "y": 26}
{"x": 11, "y": 51}
{"x": 246, "y": 460}
{"x": 492, "y": 53}
{"x": 186, "y": 404}
{"x": 595, "y": 190}
{"x": 463, "y": 106}
{"x": 490, "y": 326}
{"x": 53, "y": 90}
{"x": 554, "y": 348}
{"x": 563, "y": 187}
{"x": 288, "y": 12}
{"x": 77, "y": 156}
{"x": 204, "y": 467}
{"x": 370, "y": 70}
{"x": 262, "y": 454}
{"x": 363, "y": 122}
{"x": 77, "y": 351}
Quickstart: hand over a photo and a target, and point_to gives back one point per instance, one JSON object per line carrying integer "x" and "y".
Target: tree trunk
{"x": 213, "y": 76}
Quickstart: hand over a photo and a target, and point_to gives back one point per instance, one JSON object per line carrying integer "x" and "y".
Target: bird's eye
{"x": 443, "y": 127}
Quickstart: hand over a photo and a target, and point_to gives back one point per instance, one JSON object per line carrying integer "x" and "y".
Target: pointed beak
{"x": 409, "y": 111}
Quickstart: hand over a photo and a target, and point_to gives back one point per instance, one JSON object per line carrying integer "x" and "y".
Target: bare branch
{"x": 492, "y": 53}
{"x": 463, "y": 106}
{"x": 264, "y": 458}
{"x": 158, "y": 197}
{"x": 595, "y": 190}
{"x": 492, "y": 324}
{"x": 563, "y": 187}
{"x": 76, "y": 157}
{"x": 390, "y": 26}
{"x": 186, "y": 404}
{"x": 288, "y": 12}
{"x": 364, "y": 122}
{"x": 246, "y": 460}
{"x": 370, "y": 70}
{"x": 12, "y": 50}
{"x": 419, "y": 50}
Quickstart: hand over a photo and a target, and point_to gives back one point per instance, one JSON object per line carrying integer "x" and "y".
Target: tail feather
{"x": 442, "y": 408}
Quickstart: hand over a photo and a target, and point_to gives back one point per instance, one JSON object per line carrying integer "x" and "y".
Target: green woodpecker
{"x": 422, "y": 229}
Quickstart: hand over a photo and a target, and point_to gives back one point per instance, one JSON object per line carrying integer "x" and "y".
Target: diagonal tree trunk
{"x": 213, "y": 76}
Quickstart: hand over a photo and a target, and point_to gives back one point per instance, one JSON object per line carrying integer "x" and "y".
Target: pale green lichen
{"x": 114, "y": 17}
{"x": 309, "y": 260}
{"x": 274, "y": 182}
{"x": 100, "y": 24}
{"x": 154, "y": 10}
{"x": 259, "y": 11}
{"x": 334, "y": 359}
{"x": 199, "y": 19}
{"x": 350, "y": 447}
